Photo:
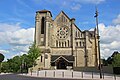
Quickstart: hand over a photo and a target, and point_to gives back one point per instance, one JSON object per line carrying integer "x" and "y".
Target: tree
{"x": 33, "y": 54}
{"x": 23, "y": 62}
{"x": 116, "y": 60}
{"x": 14, "y": 64}
{"x": 5, "y": 67}
{"x": 1, "y": 57}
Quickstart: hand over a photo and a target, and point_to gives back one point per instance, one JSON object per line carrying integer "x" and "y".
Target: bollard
{"x": 62, "y": 74}
{"x": 54, "y": 74}
{"x": 92, "y": 75}
{"x": 72, "y": 74}
{"x": 103, "y": 75}
{"x": 114, "y": 77}
{"x": 45, "y": 73}
{"x": 82, "y": 74}
{"x": 37, "y": 73}
{"x": 31, "y": 73}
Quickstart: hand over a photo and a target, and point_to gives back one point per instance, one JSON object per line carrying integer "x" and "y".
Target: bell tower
{"x": 41, "y": 27}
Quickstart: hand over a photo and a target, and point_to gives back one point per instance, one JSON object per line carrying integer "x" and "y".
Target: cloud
{"x": 4, "y": 51}
{"x": 76, "y": 7}
{"x": 78, "y": 1}
{"x": 18, "y": 39}
{"x": 117, "y": 20}
{"x": 109, "y": 39}
{"x": 89, "y": 1}
{"x": 24, "y": 4}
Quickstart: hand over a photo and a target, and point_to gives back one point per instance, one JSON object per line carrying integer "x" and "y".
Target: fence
{"x": 73, "y": 74}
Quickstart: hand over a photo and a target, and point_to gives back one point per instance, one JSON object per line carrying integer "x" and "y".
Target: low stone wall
{"x": 108, "y": 69}
{"x": 105, "y": 69}
{"x": 86, "y": 69}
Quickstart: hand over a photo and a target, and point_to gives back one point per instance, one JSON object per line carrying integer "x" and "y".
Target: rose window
{"x": 62, "y": 32}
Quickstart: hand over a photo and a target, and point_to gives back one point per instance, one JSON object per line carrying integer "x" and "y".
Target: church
{"x": 62, "y": 44}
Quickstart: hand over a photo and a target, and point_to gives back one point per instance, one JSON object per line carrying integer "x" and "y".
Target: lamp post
{"x": 98, "y": 37}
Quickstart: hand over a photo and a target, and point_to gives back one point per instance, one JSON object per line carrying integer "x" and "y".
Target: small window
{"x": 59, "y": 44}
{"x": 65, "y": 44}
{"x": 56, "y": 43}
{"x": 80, "y": 43}
{"x": 42, "y": 25}
{"x": 76, "y": 44}
{"x": 76, "y": 33}
{"x": 41, "y": 58}
{"x": 68, "y": 43}
{"x": 62, "y": 44}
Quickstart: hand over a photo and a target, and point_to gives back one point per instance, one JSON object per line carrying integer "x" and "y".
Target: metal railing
{"x": 73, "y": 74}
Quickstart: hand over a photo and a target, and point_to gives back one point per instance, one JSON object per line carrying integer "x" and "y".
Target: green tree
{"x": 1, "y": 59}
{"x": 116, "y": 60}
{"x": 22, "y": 63}
{"x": 5, "y": 67}
{"x": 33, "y": 54}
{"x": 14, "y": 64}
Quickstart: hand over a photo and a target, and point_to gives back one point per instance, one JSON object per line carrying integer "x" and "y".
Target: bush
{"x": 116, "y": 70}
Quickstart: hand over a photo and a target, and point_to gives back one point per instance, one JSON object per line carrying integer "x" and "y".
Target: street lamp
{"x": 100, "y": 68}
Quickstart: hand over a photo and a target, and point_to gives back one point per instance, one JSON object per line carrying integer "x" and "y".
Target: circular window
{"x": 62, "y": 32}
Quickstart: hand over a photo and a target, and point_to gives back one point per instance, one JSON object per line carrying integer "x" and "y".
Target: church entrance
{"x": 61, "y": 63}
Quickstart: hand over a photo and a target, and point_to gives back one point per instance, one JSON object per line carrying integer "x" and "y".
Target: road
{"x": 20, "y": 77}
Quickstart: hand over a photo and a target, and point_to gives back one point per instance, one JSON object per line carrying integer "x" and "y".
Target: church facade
{"x": 62, "y": 44}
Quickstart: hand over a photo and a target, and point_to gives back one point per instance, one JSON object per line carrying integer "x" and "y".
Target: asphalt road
{"x": 20, "y": 77}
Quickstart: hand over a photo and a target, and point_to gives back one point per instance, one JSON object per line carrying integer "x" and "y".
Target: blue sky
{"x": 17, "y": 21}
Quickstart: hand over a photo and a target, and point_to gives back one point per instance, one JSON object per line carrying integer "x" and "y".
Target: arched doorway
{"x": 61, "y": 63}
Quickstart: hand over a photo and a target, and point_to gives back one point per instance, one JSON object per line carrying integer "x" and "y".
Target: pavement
{"x": 57, "y": 75}
{"x": 23, "y": 77}
{"x": 70, "y": 74}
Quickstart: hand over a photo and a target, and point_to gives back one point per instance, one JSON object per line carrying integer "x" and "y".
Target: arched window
{"x": 59, "y": 44}
{"x": 76, "y": 33}
{"x": 80, "y": 43}
{"x": 42, "y": 25}
{"x": 76, "y": 44}
{"x": 41, "y": 58}
{"x": 62, "y": 44}
{"x": 65, "y": 43}
{"x": 56, "y": 43}
{"x": 68, "y": 43}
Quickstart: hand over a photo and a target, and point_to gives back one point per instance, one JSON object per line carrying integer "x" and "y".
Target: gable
{"x": 62, "y": 18}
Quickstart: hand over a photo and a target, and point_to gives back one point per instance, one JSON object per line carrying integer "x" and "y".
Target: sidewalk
{"x": 4, "y": 73}
{"x": 71, "y": 75}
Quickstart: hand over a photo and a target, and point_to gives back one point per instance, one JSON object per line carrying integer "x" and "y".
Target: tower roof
{"x": 44, "y": 11}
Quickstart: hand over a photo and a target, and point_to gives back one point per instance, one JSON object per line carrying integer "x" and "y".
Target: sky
{"x": 17, "y": 22}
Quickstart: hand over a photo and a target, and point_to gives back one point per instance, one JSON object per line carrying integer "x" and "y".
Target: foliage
{"x": 116, "y": 60}
{"x": 33, "y": 54}
{"x": 5, "y": 67}
{"x": 1, "y": 57}
{"x": 23, "y": 62}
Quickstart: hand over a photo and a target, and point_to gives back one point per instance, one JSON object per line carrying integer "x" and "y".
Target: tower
{"x": 42, "y": 22}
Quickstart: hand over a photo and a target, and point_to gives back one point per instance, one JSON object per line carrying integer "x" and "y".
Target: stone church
{"x": 63, "y": 45}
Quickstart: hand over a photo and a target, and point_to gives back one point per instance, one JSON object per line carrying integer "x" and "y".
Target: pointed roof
{"x": 64, "y": 14}
{"x": 68, "y": 58}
